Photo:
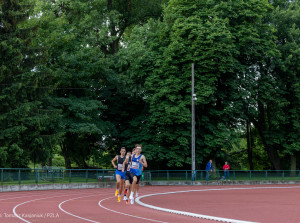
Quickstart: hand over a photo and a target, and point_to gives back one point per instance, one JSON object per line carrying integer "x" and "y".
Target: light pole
{"x": 193, "y": 123}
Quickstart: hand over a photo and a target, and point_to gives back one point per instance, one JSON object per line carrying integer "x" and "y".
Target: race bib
{"x": 128, "y": 167}
{"x": 135, "y": 165}
{"x": 120, "y": 166}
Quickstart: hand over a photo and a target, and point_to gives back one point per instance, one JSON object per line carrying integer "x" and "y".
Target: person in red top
{"x": 226, "y": 169}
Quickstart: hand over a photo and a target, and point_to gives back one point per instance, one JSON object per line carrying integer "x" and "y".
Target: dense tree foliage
{"x": 23, "y": 121}
{"x": 82, "y": 78}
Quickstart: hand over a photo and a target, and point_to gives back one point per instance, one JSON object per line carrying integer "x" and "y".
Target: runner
{"x": 138, "y": 162}
{"x": 128, "y": 179}
{"x": 138, "y": 180}
{"x": 120, "y": 176}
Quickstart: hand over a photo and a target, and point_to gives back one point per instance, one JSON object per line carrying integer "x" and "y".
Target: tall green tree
{"x": 82, "y": 38}
{"x": 286, "y": 132}
{"x": 78, "y": 70}
{"x": 186, "y": 35}
{"x": 225, "y": 40}
{"x": 22, "y": 121}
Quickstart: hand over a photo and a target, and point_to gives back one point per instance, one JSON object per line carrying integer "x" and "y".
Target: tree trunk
{"x": 249, "y": 145}
{"x": 66, "y": 156}
{"x": 50, "y": 158}
{"x": 262, "y": 126}
{"x": 81, "y": 163}
{"x": 271, "y": 151}
{"x": 293, "y": 165}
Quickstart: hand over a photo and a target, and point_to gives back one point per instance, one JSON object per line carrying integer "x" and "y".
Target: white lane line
{"x": 134, "y": 216}
{"x": 76, "y": 216}
{"x": 15, "y": 207}
{"x": 10, "y": 198}
{"x": 199, "y": 215}
{"x": 30, "y": 193}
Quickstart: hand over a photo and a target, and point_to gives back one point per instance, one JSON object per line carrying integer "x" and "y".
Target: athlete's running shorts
{"x": 134, "y": 175}
{"x": 138, "y": 179}
{"x": 122, "y": 174}
{"x": 128, "y": 177}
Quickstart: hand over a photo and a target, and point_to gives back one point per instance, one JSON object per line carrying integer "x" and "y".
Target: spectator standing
{"x": 209, "y": 168}
{"x": 226, "y": 169}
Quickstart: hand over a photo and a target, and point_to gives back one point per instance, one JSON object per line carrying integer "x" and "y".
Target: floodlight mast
{"x": 193, "y": 123}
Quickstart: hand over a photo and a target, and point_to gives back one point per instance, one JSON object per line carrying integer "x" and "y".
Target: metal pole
{"x": 193, "y": 122}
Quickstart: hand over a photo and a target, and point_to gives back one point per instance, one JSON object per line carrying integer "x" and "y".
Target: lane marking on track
{"x": 76, "y": 216}
{"x": 134, "y": 216}
{"x": 36, "y": 195}
{"x": 200, "y": 215}
{"x": 15, "y": 207}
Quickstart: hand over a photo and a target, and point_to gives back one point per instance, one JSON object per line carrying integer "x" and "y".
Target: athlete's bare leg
{"x": 128, "y": 188}
{"x": 119, "y": 180}
{"x": 137, "y": 189}
{"x": 133, "y": 189}
{"x": 121, "y": 187}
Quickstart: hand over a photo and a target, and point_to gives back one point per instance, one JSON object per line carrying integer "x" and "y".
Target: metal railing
{"x": 22, "y": 176}
{"x": 13, "y": 176}
{"x": 241, "y": 175}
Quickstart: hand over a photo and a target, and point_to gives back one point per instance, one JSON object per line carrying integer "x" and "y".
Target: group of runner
{"x": 129, "y": 171}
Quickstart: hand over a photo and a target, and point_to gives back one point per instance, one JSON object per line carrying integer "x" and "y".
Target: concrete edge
{"x": 220, "y": 182}
{"x": 33, "y": 187}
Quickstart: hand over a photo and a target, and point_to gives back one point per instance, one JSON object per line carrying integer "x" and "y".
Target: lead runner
{"x": 138, "y": 161}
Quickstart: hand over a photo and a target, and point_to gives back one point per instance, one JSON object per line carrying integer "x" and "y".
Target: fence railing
{"x": 22, "y": 176}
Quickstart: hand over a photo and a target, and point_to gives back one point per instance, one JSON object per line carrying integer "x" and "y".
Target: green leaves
{"x": 91, "y": 76}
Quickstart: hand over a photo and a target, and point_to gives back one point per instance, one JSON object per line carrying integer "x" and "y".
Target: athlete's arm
{"x": 123, "y": 167}
{"x": 143, "y": 161}
{"x": 124, "y": 163}
{"x": 113, "y": 161}
{"x": 126, "y": 160}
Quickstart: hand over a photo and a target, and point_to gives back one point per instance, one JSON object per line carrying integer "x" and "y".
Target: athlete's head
{"x": 123, "y": 151}
{"x": 139, "y": 148}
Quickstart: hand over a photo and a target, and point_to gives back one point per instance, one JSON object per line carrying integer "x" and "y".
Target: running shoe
{"x": 136, "y": 194}
{"x": 116, "y": 193}
{"x": 119, "y": 198}
{"x": 125, "y": 198}
{"x": 132, "y": 201}
{"x": 131, "y": 196}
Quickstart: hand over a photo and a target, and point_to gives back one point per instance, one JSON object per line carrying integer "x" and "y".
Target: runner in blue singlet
{"x": 138, "y": 161}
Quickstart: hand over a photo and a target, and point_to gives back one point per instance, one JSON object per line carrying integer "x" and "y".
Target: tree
{"x": 286, "y": 19}
{"x": 21, "y": 86}
{"x": 166, "y": 51}
{"x": 87, "y": 35}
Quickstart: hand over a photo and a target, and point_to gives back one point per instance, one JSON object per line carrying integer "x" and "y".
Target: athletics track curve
{"x": 278, "y": 203}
